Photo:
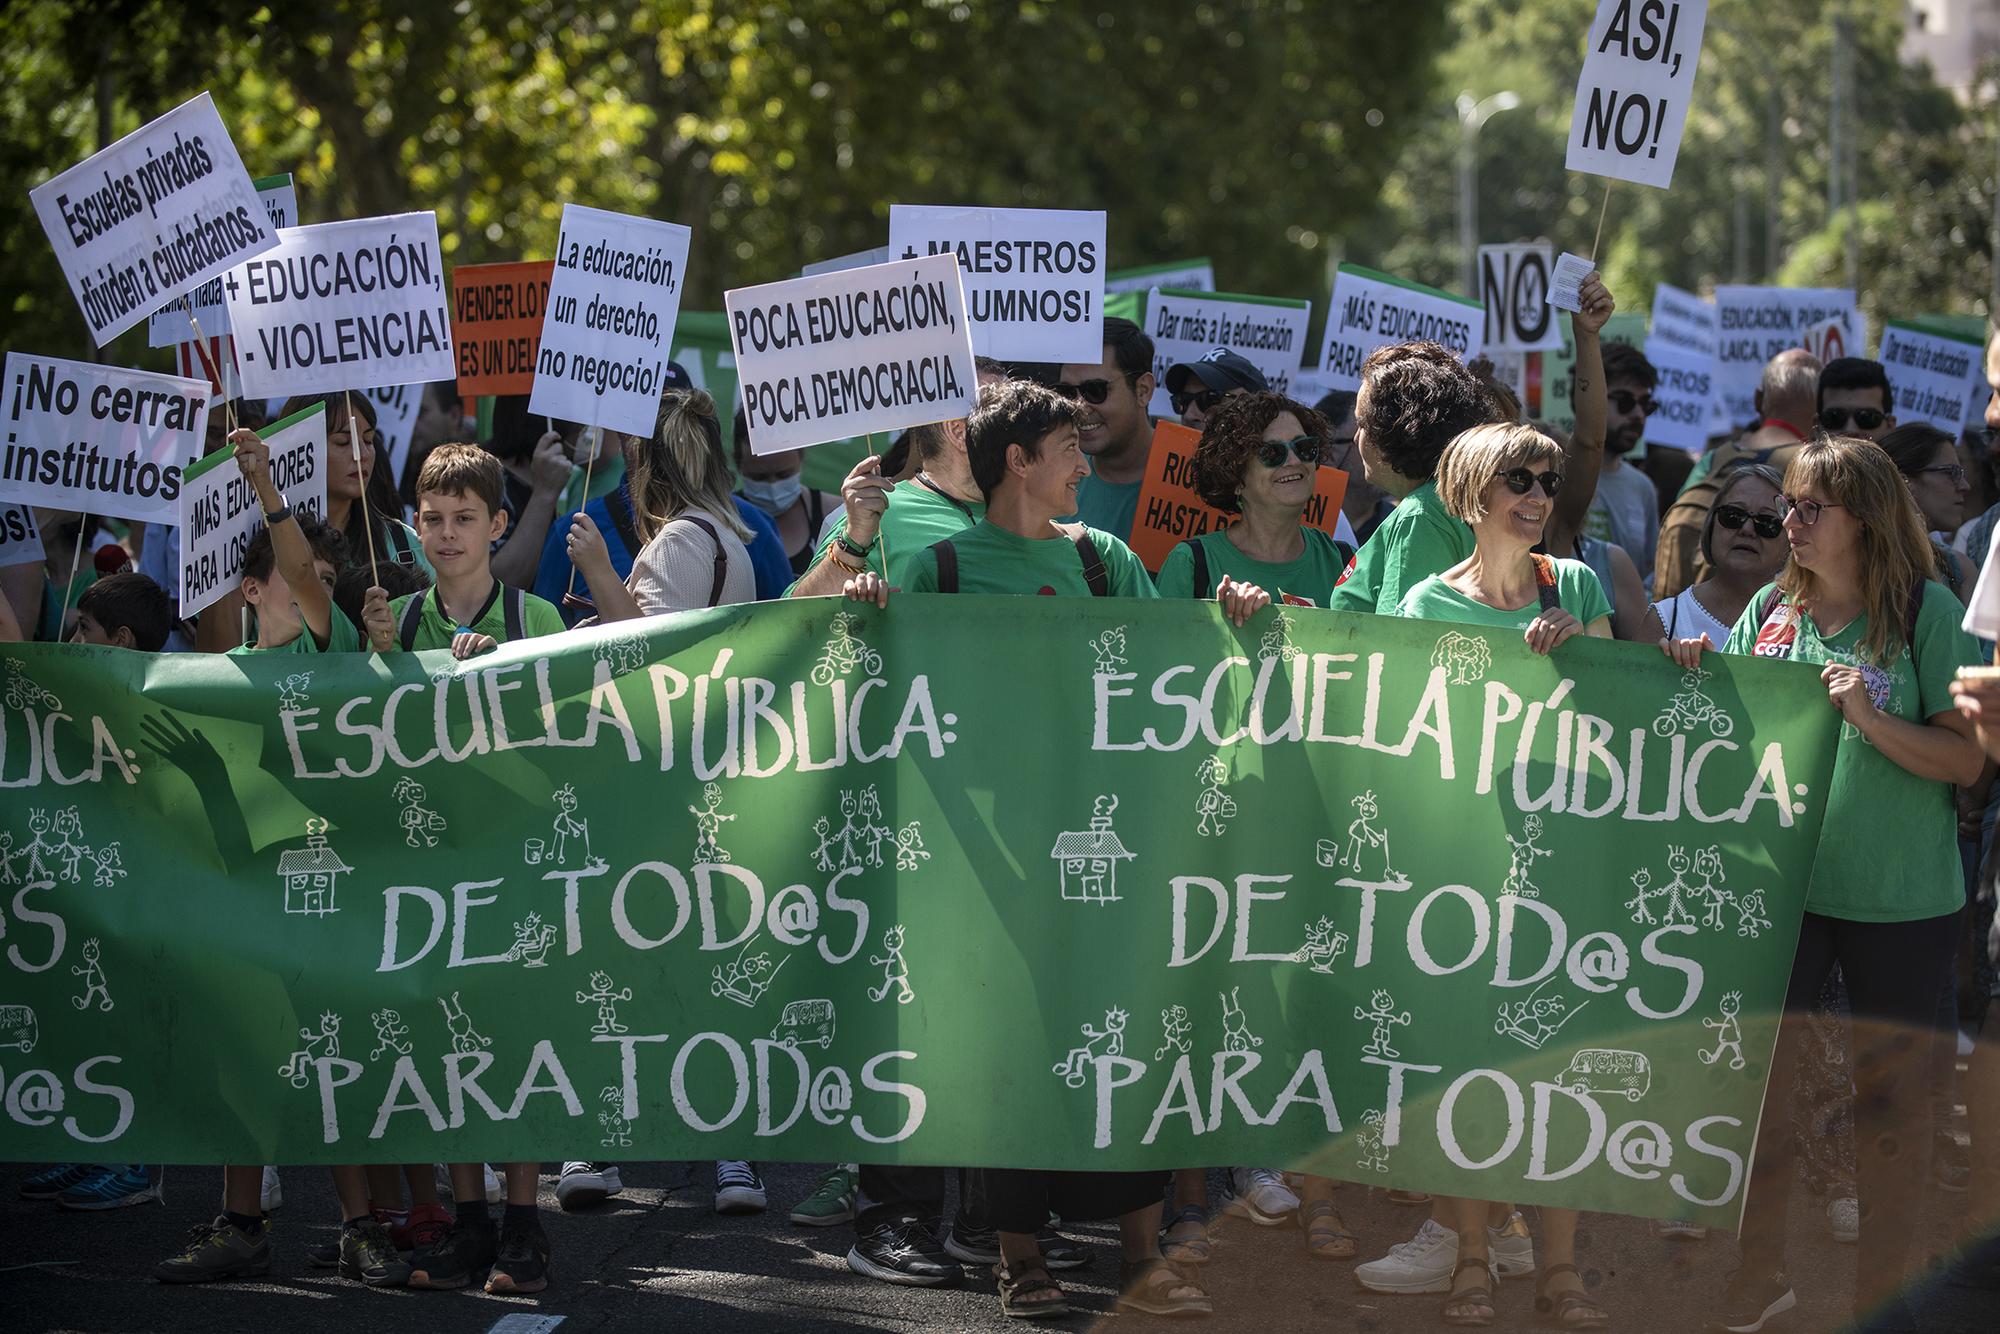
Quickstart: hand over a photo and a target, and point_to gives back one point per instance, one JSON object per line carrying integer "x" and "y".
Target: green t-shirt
{"x": 1107, "y": 506}
{"x": 1419, "y": 538}
{"x": 341, "y": 637}
{"x": 436, "y": 630}
{"x": 917, "y": 516}
{"x": 993, "y": 560}
{"x": 1888, "y": 851}
{"x": 1309, "y": 579}
{"x": 1577, "y": 589}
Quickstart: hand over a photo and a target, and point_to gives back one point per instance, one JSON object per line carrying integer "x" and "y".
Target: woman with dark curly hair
{"x": 1259, "y": 458}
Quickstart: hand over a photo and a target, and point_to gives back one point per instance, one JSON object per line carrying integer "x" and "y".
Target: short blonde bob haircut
{"x": 1476, "y": 457}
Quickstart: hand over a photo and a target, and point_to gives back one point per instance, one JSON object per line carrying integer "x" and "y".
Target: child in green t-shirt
{"x": 289, "y": 568}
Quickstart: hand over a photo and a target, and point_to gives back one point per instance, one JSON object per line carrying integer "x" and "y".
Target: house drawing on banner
{"x": 1089, "y": 858}
{"x": 312, "y": 873}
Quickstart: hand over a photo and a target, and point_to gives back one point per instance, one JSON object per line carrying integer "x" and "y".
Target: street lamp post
{"x": 1471, "y": 116}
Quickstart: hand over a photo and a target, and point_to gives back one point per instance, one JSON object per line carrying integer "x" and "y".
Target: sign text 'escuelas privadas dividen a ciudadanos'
{"x": 1393, "y": 901}
{"x": 175, "y": 322}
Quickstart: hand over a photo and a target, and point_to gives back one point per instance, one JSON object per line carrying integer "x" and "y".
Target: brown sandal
{"x": 1154, "y": 1287}
{"x": 1570, "y": 1310}
{"x": 1021, "y": 1283}
{"x": 1327, "y": 1237}
{"x": 1470, "y": 1306}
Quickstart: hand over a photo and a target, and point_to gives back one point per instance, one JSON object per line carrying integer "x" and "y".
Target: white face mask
{"x": 774, "y": 496}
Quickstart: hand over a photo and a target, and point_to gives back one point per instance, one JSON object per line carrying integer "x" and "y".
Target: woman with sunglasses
{"x": 1502, "y": 481}
{"x": 1928, "y": 460}
{"x": 1742, "y": 546}
{"x": 1259, "y": 458}
{"x": 1858, "y": 600}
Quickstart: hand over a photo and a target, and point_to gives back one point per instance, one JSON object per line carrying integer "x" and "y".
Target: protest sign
{"x": 1034, "y": 277}
{"x": 99, "y": 439}
{"x": 496, "y": 324}
{"x": 860, "y": 259}
{"x": 1754, "y": 324}
{"x": 854, "y": 351}
{"x": 1514, "y": 288}
{"x": 213, "y": 360}
{"x": 1683, "y": 320}
{"x": 1269, "y": 332}
{"x": 1169, "y": 510}
{"x": 170, "y": 325}
{"x": 1370, "y": 309}
{"x": 610, "y": 321}
{"x": 1685, "y": 390}
{"x": 396, "y": 408}
{"x": 20, "y": 539}
{"x": 1566, "y": 282}
{"x": 1187, "y": 275}
{"x": 341, "y": 304}
{"x": 1559, "y": 366}
{"x": 1935, "y": 378}
{"x": 1632, "y": 97}
{"x": 1342, "y": 893}
{"x": 218, "y": 511}
{"x": 153, "y": 215}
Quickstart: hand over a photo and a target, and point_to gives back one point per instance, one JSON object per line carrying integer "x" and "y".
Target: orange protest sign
{"x": 1170, "y": 512}
{"x": 496, "y": 324}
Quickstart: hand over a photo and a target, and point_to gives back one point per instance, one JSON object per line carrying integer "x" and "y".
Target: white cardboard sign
{"x": 156, "y": 214}
{"x": 1034, "y": 277}
{"x": 1632, "y": 97}
{"x": 1935, "y": 378}
{"x": 1371, "y": 309}
{"x": 1683, "y": 320}
{"x": 20, "y": 539}
{"x": 340, "y": 304}
{"x": 860, "y": 259}
{"x": 396, "y": 408}
{"x": 1754, "y": 324}
{"x": 1684, "y": 392}
{"x": 1514, "y": 288}
{"x": 170, "y": 324}
{"x": 609, "y": 326}
{"x": 218, "y": 512}
{"x": 1267, "y": 332}
{"x": 852, "y": 352}
{"x": 97, "y": 438}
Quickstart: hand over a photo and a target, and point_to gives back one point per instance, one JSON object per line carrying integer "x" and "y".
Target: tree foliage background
{"x": 1274, "y": 136}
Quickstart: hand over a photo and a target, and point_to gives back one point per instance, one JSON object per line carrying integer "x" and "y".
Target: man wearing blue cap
{"x": 1196, "y": 387}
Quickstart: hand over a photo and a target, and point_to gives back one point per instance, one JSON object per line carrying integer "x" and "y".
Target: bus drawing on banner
{"x": 1601, "y": 1070}
{"x": 805, "y": 1023}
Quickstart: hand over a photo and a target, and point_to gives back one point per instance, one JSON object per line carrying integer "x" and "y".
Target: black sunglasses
{"x": 1866, "y": 419}
{"x": 1205, "y": 399}
{"x": 1733, "y": 517}
{"x": 1520, "y": 481}
{"x": 1309, "y": 448}
{"x": 1625, "y": 400}
{"x": 1092, "y": 392}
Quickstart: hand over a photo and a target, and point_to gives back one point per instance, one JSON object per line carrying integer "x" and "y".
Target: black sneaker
{"x": 902, "y": 1251}
{"x": 523, "y": 1265}
{"x": 326, "y": 1256}
{"x": 461, "y": 1257}
{"x": 369, "y": 1257}
{"x": 1059, "y": 1252}
{"x": 218, "y": 1250}
{"x": 1753, "y": 1300}
{"x": 971, "y": 1244}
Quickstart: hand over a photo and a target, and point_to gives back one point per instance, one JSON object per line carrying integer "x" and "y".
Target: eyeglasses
{"x": 1951, "y": 470}
{"x": 1092, "y": 392}
{"x": 1807, "y": 510}
{"x": 1520, "y": 481}
{"x": 1624, "y": 400}
{"x": 1865, "y": 419}
{"x": 1734, "y": 517}
{"x": 1205, "y": 399}
{"x": 1309, "y": 448}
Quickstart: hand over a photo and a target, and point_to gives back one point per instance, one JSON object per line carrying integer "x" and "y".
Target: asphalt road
{"x": 658, "y": 1256}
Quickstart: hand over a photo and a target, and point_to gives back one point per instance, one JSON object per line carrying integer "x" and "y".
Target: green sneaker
{"x": 369, "y": 1257}
{"x": 831, "y": 1202}
{"x": 215, "y": 1251}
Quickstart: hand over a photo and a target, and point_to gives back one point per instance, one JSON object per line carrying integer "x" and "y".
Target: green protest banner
{"x": 1005, "y": 881}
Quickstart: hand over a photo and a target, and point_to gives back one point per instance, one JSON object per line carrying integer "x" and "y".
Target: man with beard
{"x": 1626, "y": 509}
{"x": 1115, "y": 431}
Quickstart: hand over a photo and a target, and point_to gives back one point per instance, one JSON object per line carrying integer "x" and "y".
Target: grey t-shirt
{"x": 1626, "y": 510}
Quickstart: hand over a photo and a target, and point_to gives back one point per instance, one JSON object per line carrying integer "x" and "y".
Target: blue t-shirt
{"x": 767, "y": 552}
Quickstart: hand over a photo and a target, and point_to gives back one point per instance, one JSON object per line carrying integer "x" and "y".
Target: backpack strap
{"x": 721, "y": 557}
{"x": 1095, "y": 576}
{"x": 1947, "y": 567}
{"x": 413, "y": 619}
{"x": 619, "y": 507}
{"x": 947, "y": 565}
{"x": 514, "y": 608}
{"x": 1913, "y": 607}
{"x": 1200, "y": 554}
{"x": 1545, "y": 581}
{"x": 397, "y": 539}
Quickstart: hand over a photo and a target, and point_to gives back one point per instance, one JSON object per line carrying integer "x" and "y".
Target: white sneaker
{"x": 738, "y": 1189}
{"x": 1512, "y": 1249}
{"x": 270, "y": 1194}
{"x": 1424, "y": 1263}
{"x": 585, "y": 1184}
{"x": 1843, "y": 1219}
{"x": 496, "y": 1189}
{"x": 1260, "y": 1194}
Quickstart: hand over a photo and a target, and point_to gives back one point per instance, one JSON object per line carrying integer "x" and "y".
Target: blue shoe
{"x": 50, "y": 1182}
{"x": 116, "y": 1188}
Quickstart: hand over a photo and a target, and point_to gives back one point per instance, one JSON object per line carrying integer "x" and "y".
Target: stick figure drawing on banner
{"x": 895, "y": 971}
{"x": 1728, "y": 1032}
{"x": 1383, "y": 1015}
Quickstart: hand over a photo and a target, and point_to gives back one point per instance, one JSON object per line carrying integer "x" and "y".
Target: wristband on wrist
{"x": 839, "y": 559}
{"x": 278, "y": 515}
{"x": 859, "y": 553}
